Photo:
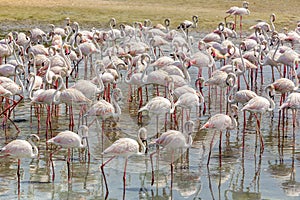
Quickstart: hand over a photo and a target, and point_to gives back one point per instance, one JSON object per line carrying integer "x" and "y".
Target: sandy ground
{"x": 21, "y": 14}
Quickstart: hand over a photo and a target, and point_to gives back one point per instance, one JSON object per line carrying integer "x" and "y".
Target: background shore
{"x": 24, "y": 14}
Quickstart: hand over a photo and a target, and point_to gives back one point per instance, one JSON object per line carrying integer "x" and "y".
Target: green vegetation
{"x": 19, "y": 14}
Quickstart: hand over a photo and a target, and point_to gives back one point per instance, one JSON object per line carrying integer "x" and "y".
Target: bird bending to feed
{"x": 220, "y": 122}
{"x": 125, "y": 147}
{"x": 68, "y": 139}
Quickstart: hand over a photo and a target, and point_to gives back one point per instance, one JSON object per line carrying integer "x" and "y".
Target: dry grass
{"x": 22, "y": 14}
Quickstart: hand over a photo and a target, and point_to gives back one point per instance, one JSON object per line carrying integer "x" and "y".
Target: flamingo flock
{"x": 44, "y": 67}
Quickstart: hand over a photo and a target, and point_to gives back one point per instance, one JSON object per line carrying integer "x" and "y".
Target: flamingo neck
{"x": 116, "y": 106}
{"x": 99, "y": 79}
{"x": 31, "y": 88}
{"x": 188, "y": 129}
{"x": 272, "y": 103}
{"x": 172, "y": 104}
{"x": 35, "y": 149}
{"x": 140, "y": 142}
{"x": 84, "y": 138}
{"x": 232, "y": 92}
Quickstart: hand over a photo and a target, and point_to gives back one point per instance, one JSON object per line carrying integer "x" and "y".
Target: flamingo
{"x": 44, "y": 97}
{"x": 15, "y": 89}
{"x": 238, "y": 11}
{"x": 189, "y": 100}
{"x": 164, "y": 27}
{"x": 6, "y": 47}
{"x": 68, "y": 139}
{"x": 136, "y": 78}
{"x": 70, "y": 96}
{"x": 103, "y": 110}
{"x": 125, "y": 147}
{"x": 160, "y": 105}
{"x": 222, "y": 80}
{"x": 186, "y": 24}
{"x": 89, "y": 89}
{"x": 20, "y": 149}
{"x": 260, "y": 104}
{"x": 173, "y": 140}
{"x": 292, "y": 102}
{"x": 220, "y": 122}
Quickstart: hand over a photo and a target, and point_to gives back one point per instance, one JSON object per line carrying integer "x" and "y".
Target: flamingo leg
{"x": 151, "y": 159}
{"x": 124, "y": 178}
{"x": 220, "y": 149}
{"x": 172, "y": 171}
{"x": 51, "y": 162}
{"x": 241, "y": 17}
{"x": 210, "y": 148}
{"x": 105, "y": 181}
{"x": 18, "y": 174}
{"x": 68, "y": 165}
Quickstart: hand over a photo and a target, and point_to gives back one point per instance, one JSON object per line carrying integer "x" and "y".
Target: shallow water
{"x": 244, "y": 174}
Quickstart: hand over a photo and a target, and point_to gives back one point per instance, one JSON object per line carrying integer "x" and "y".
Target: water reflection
{"x": 245, "y": 172}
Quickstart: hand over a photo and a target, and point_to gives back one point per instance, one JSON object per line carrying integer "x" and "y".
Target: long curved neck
{"x": 295, "y": 73}
{"x": 139, "y": 140}
{"x": 272, "y": 104}
{"x": 19, "y": 79}
{"x": 277, "y": 47}
{"x": 242, "y": 59}
{"x": 116, "y": 106}
{"x": 188, "y": 130}
{"x": 66, "y": 59}
{"x": 127, "y": 78}
{"x": 31, "y": 86}
{"x": 84, "y": 138}
{"x": 172, "y": 104}
{"x": 61, "y": 86}
{"x": 232, "y": 92}
{"x": 186, "y": 74}
{"x": 144, "y": 80}
{"x": 35, "y": 149}
{"x": 48, "y": 77}
{"x": 272, "y": 20}
{"x": 233, "y": 121}
{"x": 99, "y": 78}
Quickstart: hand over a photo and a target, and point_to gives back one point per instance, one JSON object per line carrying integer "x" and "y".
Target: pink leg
{"x": 210, "y": 148}
{"x": 102, "y": 170}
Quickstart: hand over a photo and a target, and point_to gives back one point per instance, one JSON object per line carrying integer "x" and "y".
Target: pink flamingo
{"x": 260, "y": 104}
{"x": 220, "y": 122}
{"x": 187, "y": 101}
{"x": 174, "y": 140}
{"x": 186, "y": 24}
{"x": 43, "y": 97}
{"x": 238, "y": 11}
{"x": 70, "y": 96}
{"x": 20, "y": 149}
{"x": 6, "y": 48}
{"x": 15, "y": 89}
{"x": 160, "y": 105}
{"x": 103, "y": 110}
{"x": 157, "y": 42}
{"x": 125, "y": 147}
{"x": 221, "y": 79}
{"x": 133, "y": 78}
{"x": 292, "y": 102}
{"x": 68, "y": 139}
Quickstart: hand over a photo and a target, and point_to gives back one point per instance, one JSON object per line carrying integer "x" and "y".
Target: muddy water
{"x": 245, "y": 173}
